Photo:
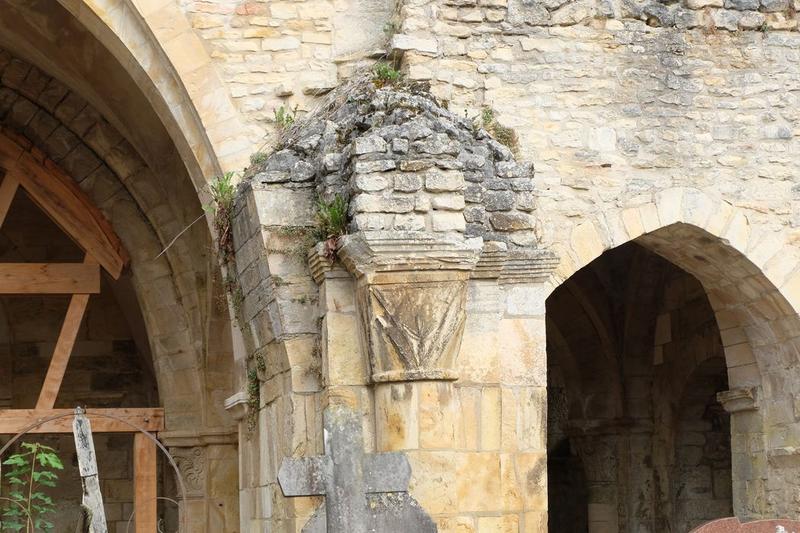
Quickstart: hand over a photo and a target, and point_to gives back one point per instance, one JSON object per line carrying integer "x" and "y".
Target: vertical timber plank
{"x": 144, "y": 484}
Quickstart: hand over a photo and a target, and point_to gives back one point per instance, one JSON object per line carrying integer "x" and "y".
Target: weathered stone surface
{"x": 361, "y": 491}
{"x": 368, "y": 145}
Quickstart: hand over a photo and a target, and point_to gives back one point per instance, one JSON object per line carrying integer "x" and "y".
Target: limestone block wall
{"x": 639, "y": 115}
{"x": 270, "y": 55}
{"x": 470, "y": 396}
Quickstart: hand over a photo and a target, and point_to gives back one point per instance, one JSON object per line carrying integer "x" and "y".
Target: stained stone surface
{"x": 363, "y": 492}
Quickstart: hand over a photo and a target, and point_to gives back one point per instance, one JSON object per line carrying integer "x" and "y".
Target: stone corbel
{"x": 237, "y": 406}
{"x": 739, "y": 399}
{"x": 411, "y": 292}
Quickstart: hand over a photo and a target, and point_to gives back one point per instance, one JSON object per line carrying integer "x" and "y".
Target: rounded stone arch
{"x": 750, "y": 274}
{"x": 171, "y": 65}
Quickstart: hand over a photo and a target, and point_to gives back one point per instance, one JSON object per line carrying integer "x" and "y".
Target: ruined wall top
{"x": 458, "y": 18}
{"x": 406, "y": 164}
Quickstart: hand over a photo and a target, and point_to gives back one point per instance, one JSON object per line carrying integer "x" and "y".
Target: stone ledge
{"x": 237, "y": 405}
{"x": 516, "y": 266}
{"x": 368, "y": 252}
{"x": 739, "y": 400}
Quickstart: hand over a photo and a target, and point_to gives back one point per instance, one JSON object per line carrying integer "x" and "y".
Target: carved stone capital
{"x": 411, "y": 291}
{"x": 192, "y": 463}
{"x": 739, "y": 399}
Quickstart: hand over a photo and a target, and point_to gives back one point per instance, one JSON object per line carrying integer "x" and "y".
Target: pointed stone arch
{"x": 751, "y": 275}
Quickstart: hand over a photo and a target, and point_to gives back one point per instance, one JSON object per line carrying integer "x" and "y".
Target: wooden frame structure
{"x": 57, "y": 195}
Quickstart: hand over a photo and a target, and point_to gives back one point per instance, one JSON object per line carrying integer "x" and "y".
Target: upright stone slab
{"x": 363, "y": 492}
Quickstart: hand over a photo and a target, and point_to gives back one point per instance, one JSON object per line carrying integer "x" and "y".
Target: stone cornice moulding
{"x": 191, "y": 439}
{"x": 323, "y": 264}
{"x": 515, "y": 266}
{"x": 370, "y": 252}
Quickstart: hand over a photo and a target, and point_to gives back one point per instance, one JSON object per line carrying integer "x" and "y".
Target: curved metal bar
{"x": 177, "y": 504}
{"x": 137, "y": 428}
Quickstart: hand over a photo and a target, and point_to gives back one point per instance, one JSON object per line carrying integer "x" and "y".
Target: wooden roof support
{"x": 13, "y": 421}
{"x": 145, "y": 484}
{"x": 63, "y": 350}
{"x": 49, "y": 278}
{"x": 8, "y": 190}
{"x": 62, "y": 200}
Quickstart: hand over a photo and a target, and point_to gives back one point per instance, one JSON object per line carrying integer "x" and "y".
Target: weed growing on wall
{"x": 223, "y": 192}
{"x": 285, "y": 117}
{"x": 502, "y": 134}
{"x": 384, "y": 74}
{"x": 31, "y": 473}
{"x": 331, "y": 218}
{"x": 253, "y": 399}
{"x": 258, "y": 158}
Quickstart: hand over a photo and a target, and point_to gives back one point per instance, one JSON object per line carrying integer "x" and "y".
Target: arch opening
{"x": 69, "y": 99}
{"x": 668, "y": 350}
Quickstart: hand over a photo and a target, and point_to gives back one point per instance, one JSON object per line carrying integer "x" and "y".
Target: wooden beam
{"x": 13, "y": 421}
{"x": 57, "y": 194}
{"x": 49, "y": 278}
{"x": 63, "y": 349}
{"x": 7, "y": 191}
{"x": 145, "y": 488}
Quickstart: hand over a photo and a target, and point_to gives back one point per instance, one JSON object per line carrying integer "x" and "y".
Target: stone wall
{"x": 673, "y": 124}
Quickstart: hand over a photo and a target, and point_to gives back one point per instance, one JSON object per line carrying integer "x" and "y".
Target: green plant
{"x": 390, "y": 28}
{"x": 502, "y": 134}
{"x": 258, "y": 158}
{"x": 32, "y": 469}
{"x": 384, "y": 74}
{"x": 253, "y": 399}
{"x": 285, "y": 117}
{"x": 223, "y": 193}
{"x": 331, "y": 218}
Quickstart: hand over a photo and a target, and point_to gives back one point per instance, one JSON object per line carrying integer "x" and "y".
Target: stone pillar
{"x": 748, "y": 453}
{"x": 453, "y": 340}
{"x": 599, "y": 449}
{"x": 208, "y": 466}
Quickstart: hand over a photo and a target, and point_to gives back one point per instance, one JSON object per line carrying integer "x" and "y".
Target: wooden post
{"x": 145, "y": 504}
{"x": 87, "y": 465}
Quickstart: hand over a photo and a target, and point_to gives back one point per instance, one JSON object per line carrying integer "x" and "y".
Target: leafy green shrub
{"x": 331, "y": 219}
{"x": 384, "y": 74}
{"x": 31, "y": 470}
